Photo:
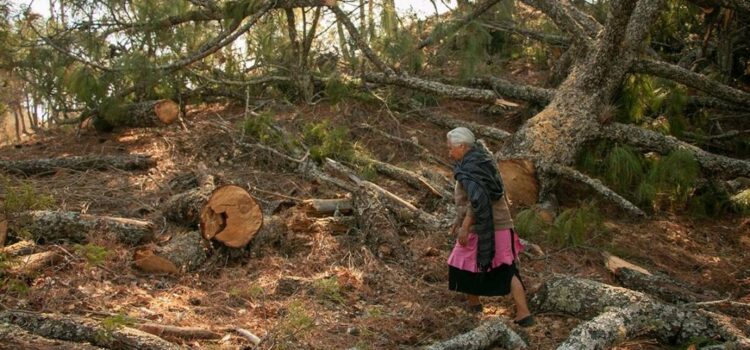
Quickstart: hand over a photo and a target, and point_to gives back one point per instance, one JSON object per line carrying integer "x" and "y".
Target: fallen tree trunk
{"x": 184, "y": 252}
{"x": 139, "y": 115}
{"x": 186, "y": 333}
{"x": 587, "y": 299}
{"x": 80, "y": 163}
{"x": 15, "y": 338}
{"x": 79, "y": 329}
{"x": 24, "y": 247}
{"x": 185, "y": 208}
{"x": 31, "y": 265}
{"x": 51, "y": 226}
{"x": 231, "y": 216}
{"x": 492, "y": 332}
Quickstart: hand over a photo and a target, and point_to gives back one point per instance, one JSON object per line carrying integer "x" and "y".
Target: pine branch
{"x": 359, "y": 42}
{"x": 479, "y": 9}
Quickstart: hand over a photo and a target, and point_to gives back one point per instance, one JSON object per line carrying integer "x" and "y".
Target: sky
{"x": 422, "y": 8}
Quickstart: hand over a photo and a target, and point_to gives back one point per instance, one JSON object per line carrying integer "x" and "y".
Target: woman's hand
{"x": 463, "y": 236}
{"x": 454, "y": 229}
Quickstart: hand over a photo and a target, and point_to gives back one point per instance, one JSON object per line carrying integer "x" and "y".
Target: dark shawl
{"x": 478, "y": 175}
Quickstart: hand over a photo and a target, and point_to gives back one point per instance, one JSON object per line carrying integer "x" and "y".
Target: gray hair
{"x": 461, "y": 135}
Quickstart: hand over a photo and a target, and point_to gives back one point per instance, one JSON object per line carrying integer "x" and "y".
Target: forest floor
{"x": 353, "y": 298}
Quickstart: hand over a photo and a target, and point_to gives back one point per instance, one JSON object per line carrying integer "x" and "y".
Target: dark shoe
{"x": 527, "y": 321}
{"x": 474, "y": 308}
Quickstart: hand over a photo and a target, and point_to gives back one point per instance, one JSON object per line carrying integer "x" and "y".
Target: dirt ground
{"x": 315, "y": 289}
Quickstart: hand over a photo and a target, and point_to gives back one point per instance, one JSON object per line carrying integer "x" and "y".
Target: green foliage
{"x": 573, "y": 227}
{"x": 111, "y": 324}
{"x": 624, "y": 168}
{"x": 328, "y": 141}
{"x": 328, "y": 289}
{"x": 260, "y": 128}
{"x": 576, "y": 225}
{"x": 235, "y": 11}
{"x": 21, "y": 196}
{"x": 711, "y": 200}
{"x": 84, "y": 83}
{"x": 674, "y": 177}
{"x": 296, "y": 321}
{"x": 14, "y": 286}
{"x": 530, "y": 224}
{"x": 741, "y": 201}
{"x": 472, "y": 44}
{"x": 93, "y": 253}
{"x": 644, "y": 96}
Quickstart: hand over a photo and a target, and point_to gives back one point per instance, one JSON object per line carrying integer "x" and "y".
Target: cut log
{"x": 52, "y": 226}
{"x": 492, "y": 332}
{"x": 14, "y": 338}
{"x": 79, "y": 329}
{"x": 170, "y": 332}
{"x": 664, "y": 287}
{"x": 327, "y": 207}
{"x": 231, "y": 216}
{"x": 185, "y": 208}
{"x": 31, "y": 265}
{"x": 587, "y": 299}
{"x": 186, "y": 251}
{"x": 140, "y": 115}
{"x": 24, "y": 247}
{"x": 80, "y": 163}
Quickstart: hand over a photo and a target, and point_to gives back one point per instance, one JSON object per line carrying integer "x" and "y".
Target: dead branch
{"x": 80, "y": 163}
{"x": 412, "y": 179}
{"x": 478, "y": 129}
{"x": 424, "y": 152}
{"x": 165, "y": 331}
{"x": 492, "y": 332}
{"x": 50, "y": 226}
{"x": 515, "y": 90}
{"x": 15, "y": 337}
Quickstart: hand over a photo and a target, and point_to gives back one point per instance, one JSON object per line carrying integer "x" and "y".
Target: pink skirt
{"x": 465, "y": 257}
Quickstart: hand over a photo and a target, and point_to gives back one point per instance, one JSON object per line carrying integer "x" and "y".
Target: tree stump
{"x": 231, "y": 216}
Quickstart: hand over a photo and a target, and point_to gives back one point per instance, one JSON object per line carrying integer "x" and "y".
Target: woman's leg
{"x": 519, "y": 297}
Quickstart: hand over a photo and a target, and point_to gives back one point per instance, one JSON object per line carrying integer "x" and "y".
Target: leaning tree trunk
{"x": 140, "y": 114}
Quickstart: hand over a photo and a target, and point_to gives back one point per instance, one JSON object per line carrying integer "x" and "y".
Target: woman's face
{"x": 457, "y": 152}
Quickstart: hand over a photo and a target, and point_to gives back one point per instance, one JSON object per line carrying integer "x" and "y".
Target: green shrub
{"x": 576, "y": 225}
{"x": 328, "y": 289}
{"x": 327, "y": 141}
{"x": 93, "y": 253}
{"x": 530, "y": 224}
{"x": 21, "y": 196}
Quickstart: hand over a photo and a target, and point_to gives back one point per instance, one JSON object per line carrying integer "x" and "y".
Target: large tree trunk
{"x": 51, "y": 226}
{"x": 185, "y": 208}
{"x": 79, "y": 329}
{"x": 81, "y": 163}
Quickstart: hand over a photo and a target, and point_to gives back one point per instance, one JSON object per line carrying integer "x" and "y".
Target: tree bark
{"x": 185, "y": 252}
{"x": 15, "y": 338}
{"x": 492, "y": 332}
{"x": 140, "y": 115}
{"x": 79, "y": 163}
{"x": 185, "y": 208}
{"x": 51, "y": 226}
{"x": 327, "y": 207}
{"x": 171, "y": 332}
{"x": 79, "y": 329}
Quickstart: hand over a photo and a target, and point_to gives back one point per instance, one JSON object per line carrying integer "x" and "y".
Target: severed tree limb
{"x": 515, "y": 90}
{"x": 599, "y": 187}
{"x": 25, "y": 247}
{"x": 80, "y": 163}
{"x": 412, "y": 179}
{"x": 551, "y": 39}
{"x": 342, "y": 17}
{"x": 478, "y": 10}
{"x": 478, "y": 129}
{"x": 14, "y": 337}
{"x": 492, "y": 332}
{"x": 720, "y": 166}
{"x": 49, "y": 226}
{"x": 693, "y": 80}
{"x": 79, "y": 329}
{"x": 563, "y": 16}
{"x": 440, "y": 89}
{"x": 165, "y": 331}
{"x": 423, "y": 150}
{"x": 588, "y": 299}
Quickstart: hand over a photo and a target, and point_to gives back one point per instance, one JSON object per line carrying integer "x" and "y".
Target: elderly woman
{"x": 483, "y": 260}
